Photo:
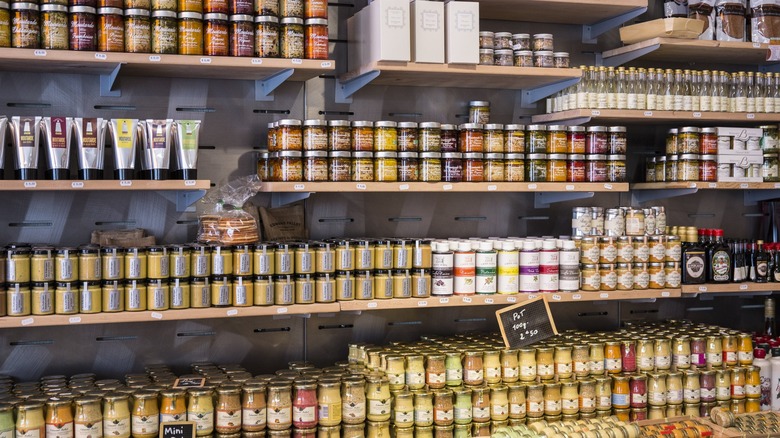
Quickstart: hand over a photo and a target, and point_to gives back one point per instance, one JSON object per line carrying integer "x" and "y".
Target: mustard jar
{"x": 364, "y": 255}
{"x": 200, "y": 261}
{"x": 221, "y": 295}
{"x": 90, "y": 263}
{"x": 90, "y": 297}
{"x": 200, "y": 292}
{"x": 17, "y": 264}
{"x": 66, "y": 267}
{"x": 263, "y": 289}
{"x": 158, "y": 295}
{"x": 324, "y": 258}
{"x": 112, "y": 263}
{"x": 304, "y": 259}
{"x": 383, "y": 254}
{"x": 135, "y": 296}
{"x": 66, "y": 299}
{"x": 42, "y": 264}
{"x": 113, "y": 296}
{"x": 221, "y": 260}
{"x": 242, "y": 260}
{"x": 158, "y": 262}
{"x": 284, "y": 260}
{"x": 42, "y": 299}
{"x": 263, "y": 257}
{"x": 179, "y": 263}
{"x": 135, "y": 264}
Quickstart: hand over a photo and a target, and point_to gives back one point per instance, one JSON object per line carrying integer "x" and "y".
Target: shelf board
{"x": 649, "y": 117}
{"x": 674, "y": 49}
{"x": 104, "y": 185}
{"x": 282, "y": 187}
{"x": 706, "y": 185}
{"x": 557, "y": 11}
{"x": 399, "y": 73}
{"x": 165, "y": 315}
{"x": 714, "y": 288}
{"x": 145, "y": 64}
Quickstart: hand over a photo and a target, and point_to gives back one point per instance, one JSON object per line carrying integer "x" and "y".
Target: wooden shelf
{"x": 280, "y": 187}
{"x": 716, "y": 288}
{"x": 166, "y": 315}
{"x": 706, "y": 185}
{"x": 104, "y": 185}
{"x": 462, "y": 75}
{"x": 691, "y": 51}
{"x": 145, "y": 64}
{"x": 650, "y": 117}
{"x": 557, "y": 11}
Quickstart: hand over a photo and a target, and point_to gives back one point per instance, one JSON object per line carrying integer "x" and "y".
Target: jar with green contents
{"x": 164, "y": 32}
{"x": 429, "y": 137}
{"x": 430, "y": 166}
{"x": 770, "y": 170}
{"x": 536, "y": 139}
{"x": 135, "y": 264}
{"x": 536, "y": 168}
{"x": 453, "y": 369}
{"x": 514, "y": 167}
{"x": 112, "y": 263}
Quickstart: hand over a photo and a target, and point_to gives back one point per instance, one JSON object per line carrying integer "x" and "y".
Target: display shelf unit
{"x": 753, "y": 192}
{"x": 281, "y": 187}
{"x": 105, "y": 185}
{"x": 582, "y": 116}
{"x": 695, "y": 51}
{"x": 721, "y": 288}
{"x": 558, "y": 11}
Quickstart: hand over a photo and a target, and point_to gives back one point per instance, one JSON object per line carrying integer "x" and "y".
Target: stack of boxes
{"x": 739, "y": 154}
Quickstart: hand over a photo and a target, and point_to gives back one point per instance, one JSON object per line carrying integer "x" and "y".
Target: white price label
{"x": 702, "y": 288}
{"x": 360, "y": 186}
{"x": 774, "y": 53}
{"x": 77, "y": 184}
{"x": 569, "y": 187}
{"x": 556, "y": 297}
{"x": 532, "y": 186}
{"x": 297, "y": 61}
{"x": 444, "y": 300}
{"x": 604, "y": 295}
{"x": 492, "y": 188}
{"x": 595, "y": 113}
{"x": 232, "y": 312}
{"x": 696, "y": 115}
{"x": 665, "y": 294}
{"x": 532, "y": 296}
{"x": 39, "y": 53}
{"x": 447, "y": 187}
{"x": 489, "y": 301}
{"x": 100, "y": 56}
{"x": 299, "y": 187}
{"x": 155, "y": 58}
{"x": 205, "y": 60}
{"x": 326, "y": 64}
{"x": 715, "y": 185}
{"x": 256, "y": 61}
{"x": 281, "y": 310}
{"x": 422, "y": 303}
{"x": 744, "y": 185}
{"x": 648, "y": 114}
{"x": 30, "y": 184}
{"x": 777, "y": 185}
{"x": 466, "y": 299}
{"x": 125, "y": 183}
{"x": 692, "y": 185}
{"x": 743, "y": 287}
{"x": 371, "y": 305}
{"x": 157, "y": 315}
{"x": 403, "y": 187}
{"x": 511, "y": 299}
{"x": 608, "y": 186}
{"x": 189, "y": 182}
{"x": 27, "y": 321}
{"x": 576, "y": 297}
{"x": 756, "y": 45}
{"x": 74, "y": 319}
{"x": 750, "y": 116}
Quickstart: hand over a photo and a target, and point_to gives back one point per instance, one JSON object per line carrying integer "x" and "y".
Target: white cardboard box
{"x": 742, "y": 161}
{"x": 427, "y": 31}
{"x": 380, "y": 32}
{"x": 739, "y": 141}
{"x": 462, "y": 32}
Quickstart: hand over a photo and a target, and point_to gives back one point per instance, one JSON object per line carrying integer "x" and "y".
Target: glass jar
{"x": 291, "y": 40}
{"x": 362, "y": 136}
{"x": 494, "y": 167}
{"x": 514, "y": 139}
{"x": 316, "y": 38}
{"x": 279, "y": 406}
{"x": 452, "y": 167}
{"x": 536, "y": 168}
{"x": 340, "y": 166}
{"x": 575, "y": 168}
{"x": 479, "y": 112}
{"x": 386, "y": 166}
{"x": 493, "y": 139}
{"x": 116, "y": 415}
{"x": 190, "y": 33}
{"x": 385, "y": 136}
{"x": 471, "y": 137}
{"x": 473, "y": 167}
{"x": 596, "y": 168}
{"x": 688, "y": 140}
{"x": 534, "y": 400}
{"x": 617, "y": 140}
{"x": 537, "y": 139}
{"x": 54, "y": 27}
{"x": 165, "y": 34}
{"x": 616, "y": 168}
{"x": 708, "y": 141}
{"x": 688, "y": 167}
{"x": 242, "y": 35}
{"x": 353, "y": 396}
{"x": 82, "y": 29}
{"x": 544, "y": 59}
{"x": 514, "y": 167}
{"x": 88, "y": 418}
{"x": 362, "y": 166}
{"x": 556, "y": 167}
{"x": 556, "y": 139}
{"x": 340, "y": 136}
{"x": 430, "y": 166}
{"x": 672, "y": 162}
{"x": 267, "y": 36}
{"x": 473, "y": 371}
{"x": 378, "y": 396}
{"x": 708, "y": 168}
{"x": 408, "y": 167}
{"x": 25, "y": 25}
{"x": 315, "y": 166}
{"x": 480, "y": 404}
{"x": 215, "y": 34}
{"x": 596, "y": 140}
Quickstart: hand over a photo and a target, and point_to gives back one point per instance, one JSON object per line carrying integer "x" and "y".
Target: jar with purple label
{"x": 596, "y": 168}
{"x": 452, "y": 167}
{"x": 449, "y": 138}
{"x": 596, "y": 141}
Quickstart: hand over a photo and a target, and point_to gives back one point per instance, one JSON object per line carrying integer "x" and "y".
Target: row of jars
{"x": 523, "y": 58}
{"x": 629, "y": 249}
{"x": 110, "y": 29}
{"x": 320, "y": 166}
{"x": 610, "y": 426}
{"x": 277, "y": 8}
{"x": 389, "y": 136}
{"x": 618, "y": 221}
{"x": 707, "y": 141}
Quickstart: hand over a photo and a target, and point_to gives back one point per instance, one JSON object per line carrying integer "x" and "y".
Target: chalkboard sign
{"x": 189, "y": 382}
{"x": 526, "y": 323}
{"x": 177, "y": 429}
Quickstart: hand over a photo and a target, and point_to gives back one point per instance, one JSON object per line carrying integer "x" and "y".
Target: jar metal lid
{"x": 340, "y": 154}
{"x": 514, "y": 127}
{"x": 619, "y": 157}
{"x": 660, "y": 159}
{"x": 485, "y": 51}
{"x": 497, "y": 126}
{"x": 215, "y": 16}
{"x": 315, "y": 154}
{"x": 573, "y": 157}
{"x": 503, "y": 34}
{"x": 689, "y": 156}
{"x": 537, "y": 156}
{"x": 3, "y": 5}
{"x": 543, "y": 53}
{"x": 241, "y": 17}
{"x": 557, "y": 128}
{"x": 407, "y": 124}
{"x": 672, "y": 157}
{"x": 338, "y": 123}
{"x": 53, "y": 8}
{"x": 515, "y": 156}
{"x": 447, "y": 126}
{"x": 315, "y": 122}
{"x": 407, "y": 155}
{"x": 142, "y": 12}
{"x": 576, "y": 129}
{"x": 537, "y": 128}
{"x": 690, "y": 129}
{"x": 597, "y": 129}
{"x": 363, "y": 124}
{"x": 485, "y": 33}
{"x": 23, "y": 5}
{"x": 429, "y": 125}
{"x": 316, "y": 22}
{"x": 765, "y": 156}
{"x": 363, "y": 154}
{"x": 183, "y": 15}
{"x": 557, "y": 156}
{"x": 672, "y": 131}
{"x": 430, "y": 154}
{"x": 561, "y": 54}
{"x": 457, "y": 155}
{"x": 617, "y": 129}
{"x": 289, "y": 122}
{"x": 494, "y": 156}
{"x": 595, "y": 157}
{"x": 385, "y": 124}
{"x": 543, "y": 35}
{"x": 715, "y": 130}
{"x": 479, "y": 103}
{"x": 503, "y": 51}
{"x": 519, "y": 52}
{"x": 385, "y": 154}
{"x": 292, "y": 20}
{"x": 294, "y": 154}
{"x": 470, "y": 126}
{"x": 473, "y": 155}
{"x": 266, "y": 19}
{"x": 116, "y": 11}
{"x": 520, "y": 36}
{"x": 80, "y": 10}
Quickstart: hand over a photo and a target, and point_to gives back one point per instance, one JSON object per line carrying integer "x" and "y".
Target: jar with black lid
{"x": 242, "y": 35}
{"x": 138, "y": 31}
{"x": 164, "y": 32}
{"x": 291, "y": 38}
{"x": 267, "y": 36}
{"x": 54, "y": 27}
{"x": 25, "y": 25}
{"x": 83, "y": 28}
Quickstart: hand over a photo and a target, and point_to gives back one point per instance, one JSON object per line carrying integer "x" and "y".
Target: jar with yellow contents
{"x": 42, "y": 299}
{"x": 158, "y": 262}
{"x": 304, "y": 289}
{"x": 221, "y": 260}
{"x": 200, "y": 293}
{"x": 402, "y": 254}
{"x": 324, "y": 288}
{"x": 362, "y": 166}
{"x": 263, "y": 289}
{"x": 66, "y": 299}
{"x": 284, "y": 259}
{"x": 345, "y": 286}
{"x": 200, "y": 261}
{"x": 324, "y": 258}
{"x": 304, "y": 258}
{"x": 221, "y": 291}
{"x": 386, "y": 166}
{"x": 385, "y": 136}
{"x": 66, "y": 267}
{"x": 243, "y": 291}
{"x": 158, "y": 294}
{"x": 345, "y": 256}
{"x": 135, "y": 296}
{"x": 364, "y": 285}
{"x": 179, "y": 261}
{"x": 113, "y": 296}
{"x": 263, "y": 259}
{"x": 135, "y": 264}
{"x": 284, "y": 290}
{"x": 383, "y": 254}
{"x": 402, "y": 283}
{"x": 42, "y": 264}
{"x": 242, "y": 260}
{"x": 383, "y": 285}
{"x": 90, "y": 297}
{"x": 112, "y": 263}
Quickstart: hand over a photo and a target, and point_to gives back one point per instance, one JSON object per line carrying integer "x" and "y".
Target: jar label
{"x": 378, "y": 407}
{"x": 746, "y": 357}
{"x": 53, "y": 431}
{"x": 737, "y": 390}
{"x": 280, "y": 416}
{"x": 619, "y": 400}
{"x": 516, "y": 408}
{"x": 638, "y": 399}
{"x": 570, "y": 404}
{"x": 500, "y": 410}
{"x": 613, "y": 364}
{"x": 646, "y": 363}
{"x": 691, "y": 395}
{"x": 535, "y": 407}
{"x": 354, "y": 410}
{"x": 663, "y": 361}
{"x": 544, "y": 370}
{"x": 436, "y": 378}
{"x": 116, "y": 426}
{"x": 304, "y": 414}
{"x": 564, "y": 368}
{"x": 730, "y": 356}
{"x": 587, "y": 402}
{"x": 413, "y": 378}
{"x": 596, "y": 366}
{"x": 463, "y": 414}
{"x": 606, "y": 402}
{"x": 492, "y": 373}
{"x": 682, "y": 360}
{"x": 528, "y": 370}
{"x": 511, "y": 372}
{"x": 480, "y": 413}
{"x": 723, "y": 392}
{"x": 473, "y": 376}
{"x": 580, "y": 367}
{"x": 455, "y": 375}
{"x": 203, "y": 420}
{"x": 83, "y": 430}
{"x": 228, "y": 418}
{"x": 708, "y": 394}
{"x": 674, "y": 396}
{"x": 423, "y": 416}
{"x": 443, "y": 415}
{"x": 403, "y": 417}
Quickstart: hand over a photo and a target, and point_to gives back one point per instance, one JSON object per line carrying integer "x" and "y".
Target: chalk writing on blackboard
{"x": 189, "y": 382}
{"x": 177, "y": 429}
{"x": 526, "y": 323}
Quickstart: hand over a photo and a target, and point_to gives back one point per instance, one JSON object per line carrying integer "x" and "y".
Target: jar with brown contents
{"x": 111, "y": 30}
{"x": 82, "y": 30}
{"x": 216, "y": 7}
{"x": 267, "y": 36}
{"x": 190, "y": 33}
{"x": 5, "y": 25}
{"x": 54, "y": 27}
{"x": 242, "y": 35}
{"x": 191, "y": 6}
{"x": 291, "y": 38}
{"x": 138, "y": 31}
{"x": 316, "y": 33}
{"x": 165, "y": 34}
{"x": 25, "y": 25}
{"x": 215, "y": 34}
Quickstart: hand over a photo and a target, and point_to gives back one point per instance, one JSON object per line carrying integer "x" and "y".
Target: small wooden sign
{"x": 526, "y": 323}
{"x": 189, "y": 382}
{"x": 178, "y": 429}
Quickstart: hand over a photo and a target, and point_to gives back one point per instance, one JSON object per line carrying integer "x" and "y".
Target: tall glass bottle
{"x": 717, "y": 89}
{"x": 641, "y": 89}
{"x": 770, "y": 328}
{"x": 687, "y": 90}
{"x": 611, "y": 88}
{"x": 759, "y": 92}
{"x": 593, "y": 87}
{"x": 678, "y": 91}
{"x": 669, "y": 91}
{"x": 762, "y": 263}
{"x": 571, "y": 95}
{"x": 651, "y": 90}
{"x": 776, "y": 92}
{"x": 621, "y": 89}
{"x": 705, "y": 92}
{"x": 724, "y": 91}
{"x": 660, "y": 98}
{"x": 602, "y": 89}
{"x": 719, "y": 260}
{"x": 769, "y": 98}
{"x": 582, "y": 89}
{"x": 696, "y": 90}
{"x": 750, "y": 92}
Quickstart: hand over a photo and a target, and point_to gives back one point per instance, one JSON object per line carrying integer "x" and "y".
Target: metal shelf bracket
{"x": 528, "y": 98}
{"x": 614, "y": 61}
{"x": 280, "y": 199}
{"x": 345, "y": 90}
{"x": 185, "y": 199}
{"x": 544, "y": 199}
{"x": 264, "y": 88}
{"x": 754, "y": 196}
{"x": 592, "y": 31}
{"x": 108, "y": 81}
{"x": 640, "y": 196}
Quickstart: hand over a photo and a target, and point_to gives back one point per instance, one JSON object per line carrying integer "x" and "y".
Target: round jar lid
{"x": 386, "y": 154}
{"x": 573, "y": 157}
{"x": 340, "y": 154}
{"x": 561, "y": 54}
{"x": 315, "y": 122}
{"x": 689, "y": 156}
{"x": 86, "y": 10}
{"x": 710, "y": 157}
{"x": 292, "y": 20}
{"x": 595, "y": 157}
{"x": 693, "y": 129}
{"x": 519, "y": 51}
{"x": 215, "y": 16}
{"x": 385, "y": 124}
{"x": 407, "y": 124}
{"x": 543, "y": 36}
{"x": 24, "y": 6}
{"x": 537, "y": 128}
{"x": 363, "y": 154}
{"x": 53, "y": 8}
{"x": 479, "y": 103}
{"x": 494, "y": 126}
{"x": 503, "y": 51}
{"x": 137, "y": 12}
{"x": 617, "y": 129}
{"x": 182, "y": 15}
{"x": 521, "y": 36}
{"x": 338, "y": 123}
{"x": 543, "y": 53}
{"x": 430, "y": 154}
{"x": 266, "y": 19}
{"x": 576, "y": 129}
{"x": 316, "y": 22}
{"x": 672, "y": 157}
{"x": 289, "y": 122}
{"x": 537, "y": 156}
{"x": 241, "y": 17}
{"x": 110, "y": 11}
{"x": 514, "y": 127}
{"x": 557, "y": 156}
{"x": 448, "y": 127}
{"x": 430, "y": 125}
{"x": 363, "y": 124}
{"x": 715, "y": 130}
{"x": 473, "y": 155}
{"x": 557, "y": 128}
{"x": 465, "y": 126}
{"x": 515, "y": 156}
{"x": 503, "y": 34}
{"x": 292, "y": 154}
{"x": 485, "y": 33}
{"x": 316, "y": 154}
{"x": 407, "y": 155}
{"x": 456, "y": 155}
{"x": 494, "y": 156}
{"x": 616, "y": 157}
{"x": 597, "y": 129}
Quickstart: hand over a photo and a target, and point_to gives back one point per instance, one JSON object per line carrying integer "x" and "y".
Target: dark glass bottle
{"x": 719, "y": 259}
{"x": 769, "y": 318}
{"x": 762, "y": 263}
{"x": 694, "y": 266}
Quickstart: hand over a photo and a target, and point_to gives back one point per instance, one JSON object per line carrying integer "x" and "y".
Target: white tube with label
{"x": 90, "y": 146}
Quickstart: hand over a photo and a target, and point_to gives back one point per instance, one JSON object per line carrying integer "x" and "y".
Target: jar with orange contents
{"x": 190, "y": 33}
{"x": 363, "y": 136}
{"x": 471, "y": 137}
{"x": 316, "y": 35}
{"x": 473, "y": 167}
{"x": 289, "y": 135}
{"x": 745, "y": 349}
{"x": 111, "y": 30}
{"x": 556, "y": 139}
{"x": 215, "y": 34}
{"x": 215, "y": 6}
{"x": 556, "y": 168}
{"x": 620, "y": 392}
{"x": 612, "y": 358}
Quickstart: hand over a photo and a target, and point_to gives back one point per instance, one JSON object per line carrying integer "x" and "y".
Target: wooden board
{"x": 440, "y": 187}
{"x": 651, "y": 117}
{"x": 104, "y": 185}
{"x": 557, "y": 11}
{"x": 705, "y": 185}
{"x": 674, "y": 49}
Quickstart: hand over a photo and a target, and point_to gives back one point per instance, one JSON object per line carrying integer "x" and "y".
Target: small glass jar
{"x": 429, "y": 137}
{"x": 430, "y": 166}
{"x": 556, "y": 168}
{"x": 770, "y": 170}
{"x": 556, "y": 139}
{"x": 596, "y": 168}
{"x": 576, "y": 140}
{"x": 536, "y": 139}
{"x": 471, "y": 137}
{"x": 215, "y": 35}
{"x": 266, "y": 36}
{"x": 385, "y": 136}
{"x": 536, "y": 168}
{"x": 386, "y": 166}
{"x": 597, "y": 141}
{"x": 363, "y": 136}
{"x": 449, "y": 138}
{"x": 575, "y": 168}
{"x": 452, "y": 167}
{"x": 291, "y": 41}
{"x": 165, "y": 34}
{"x": 493, "y": 139}
{"x": 486, "y": 56}
{"x": 514, "y": 167}
{"x": 190, "y": 35}
{"x": 688, "y": 140}
{"x": 242, "y": 35}
{"x": 514, "y": 139}
{"x": 672, "y": 165}
{"x": 408, "y": 167}
{"x": 473, "y": 167}
{"x": 138, "y": 35}
{"x": 708, "y": 168}
{"x": 494, "y": 167}
{"x": 54, "y": 27}
{"x": 287, "y": 166}
{"x": 479, "y": 112}
{"x": 340, "y": 136}
{"x": 362, "y": 166}
{"x": 340, "y": 166}
{"x": 542, "y": 41}
{"x": 617, "y": 140}
{"x": 503, "y": 57}
{"x": 83, "y": 28}
{"x": 25, "y": 25}
{"x": 688, "y": 167}
{"x": 544, "y": 59}
{"x": 111, "y": 30}
{"x": 315, "y": 166}
{"x": 316, "y": 35}
{"x": 561, "y": 59}
{"x": 616, "y": 168}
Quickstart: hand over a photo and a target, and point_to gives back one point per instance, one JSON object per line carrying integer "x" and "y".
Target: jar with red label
{"x": 596, "y": 168}
{"x": 628, "y": 355}
{"x": 556, "y": 168}
{"x": 708, "y": 168}
{"x": 638, "y": 387}
{"x": 304, "y": 405}
{"x": 215, "y": 34}
{"x": 111, "y": 30}
{"x": 575, "y": 168}
{"x": 471, "y": 137}
{"x": 83, "y": 31}
{"x": 575, "y": 140}
{"x": 316, "y": 30}
{"x": 596, "y": 140}
{"x": 242, "y": 35}
{"x": 449, "y": 138}
{"x": 473, "y": 167}
{"x": 452, "y": 167}
{"x": 708, "y": 141}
